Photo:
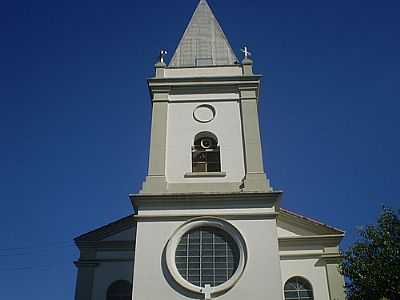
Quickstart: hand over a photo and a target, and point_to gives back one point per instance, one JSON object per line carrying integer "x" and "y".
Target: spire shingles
{"x": 203, "y": 43}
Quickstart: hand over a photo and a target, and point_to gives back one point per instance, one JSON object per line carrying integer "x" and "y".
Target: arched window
{"x": 205, "y": 153}
{"x": 120, "y": 290}
{"x": 298, "y": 288}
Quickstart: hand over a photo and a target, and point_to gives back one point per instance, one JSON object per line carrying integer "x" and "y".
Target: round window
{"x": 206, "y": 255}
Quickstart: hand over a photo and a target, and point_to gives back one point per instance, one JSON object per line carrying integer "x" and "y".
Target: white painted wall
{"x": 182, "y": 128}
{"x": 204, "y": 71}
{"x": 126, "y": 235}
{"x": 108, "y": 272}
{"x": 310, "y": 270}
{"x": 261, "y": 278}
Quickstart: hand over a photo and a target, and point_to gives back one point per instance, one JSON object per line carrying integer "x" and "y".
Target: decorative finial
{"x": 162, "y": 55}
{"x": 246, "y": 52}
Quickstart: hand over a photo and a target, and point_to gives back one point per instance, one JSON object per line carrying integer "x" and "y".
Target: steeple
{"x": 203, "y": 42}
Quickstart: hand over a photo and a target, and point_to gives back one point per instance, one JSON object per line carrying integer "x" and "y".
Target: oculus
{"x": 206, "y": 255}
{"x": 204, "y": 113}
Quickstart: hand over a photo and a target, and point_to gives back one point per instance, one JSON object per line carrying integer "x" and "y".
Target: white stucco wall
{"x": 309, "y": 269}
{"x": 125, "y": 235}
{"x": 261, "y": 277}
{"x": 108, "y": 272}
{"x": 182, "y": 128}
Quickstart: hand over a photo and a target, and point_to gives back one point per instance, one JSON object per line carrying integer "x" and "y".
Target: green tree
{"x": 372, "y": 264}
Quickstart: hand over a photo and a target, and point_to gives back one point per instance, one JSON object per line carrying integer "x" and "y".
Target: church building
{"x": 207, "y": 224}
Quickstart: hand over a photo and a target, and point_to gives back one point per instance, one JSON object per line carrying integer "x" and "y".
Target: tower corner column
{"x": 255, "y": 178}
{"x": 155, "y": 180}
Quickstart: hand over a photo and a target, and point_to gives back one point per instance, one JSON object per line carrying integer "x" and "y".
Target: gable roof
{"x": 105, "y": 231}
{"x": 203, "y": 42}
{"x": 285, "y": 216}
{"x": 306, "y": 223}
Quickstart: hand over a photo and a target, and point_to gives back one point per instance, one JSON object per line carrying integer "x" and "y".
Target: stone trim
{"x": 251, "y": 205}
{"x": 107, "y": 245}
{"x": 139, "y": 200}
{"x": 323, "y": 240}
{"x": 295, "y": 218}
{"x": 204, "y": 174}
{"x": 221, "y": 224}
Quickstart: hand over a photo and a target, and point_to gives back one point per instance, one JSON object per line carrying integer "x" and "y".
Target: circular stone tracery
{"x": 207, "y": 255}
{"x": 204, "y": 113}
{"x": 186, "y": 265}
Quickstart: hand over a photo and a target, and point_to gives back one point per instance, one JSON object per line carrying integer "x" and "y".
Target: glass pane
{"x": 212, "y": 167}
{"x": 291, "y": 295}
{"x": 213, "y": 157}
{"x": 207, "y": 259}
{"x": 208, "y": 262}
{"x": 306, "y": 294}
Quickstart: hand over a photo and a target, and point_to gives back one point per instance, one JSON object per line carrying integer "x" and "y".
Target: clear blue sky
{"x": 75, "y": 116}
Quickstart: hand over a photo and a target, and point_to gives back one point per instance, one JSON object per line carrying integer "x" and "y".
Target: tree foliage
{"x": 372, "y": 264}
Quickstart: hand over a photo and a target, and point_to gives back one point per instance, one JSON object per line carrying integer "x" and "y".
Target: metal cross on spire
{"x": 246, "y": 52}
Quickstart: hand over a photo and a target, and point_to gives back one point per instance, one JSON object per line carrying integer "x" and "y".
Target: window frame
{"x": 174, "y": 240}
{"x": 304, "y": 281}
{"x": 202, "y": 158}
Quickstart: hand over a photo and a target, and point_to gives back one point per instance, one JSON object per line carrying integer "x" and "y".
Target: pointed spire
{"x": 203, "y": 43}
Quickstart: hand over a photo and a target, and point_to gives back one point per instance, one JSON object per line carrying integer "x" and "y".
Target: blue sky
{"x": 75, "y": 116}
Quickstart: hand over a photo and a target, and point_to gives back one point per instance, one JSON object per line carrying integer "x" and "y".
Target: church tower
{"x": 207, "y": 222}
{"x": 206, "y": 179}
{"x": 205, "y": 133}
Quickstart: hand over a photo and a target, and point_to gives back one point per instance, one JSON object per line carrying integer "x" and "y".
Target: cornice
{"x": 227, "y": 205}
{"x": 325, "y": 240}
{"x": 204, "y": 196}
{"x": 107, "y": 245}
{"x": 107, "y": 230}
{"x": 198, "y": 79}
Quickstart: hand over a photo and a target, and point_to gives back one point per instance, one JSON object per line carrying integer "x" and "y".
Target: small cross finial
{"x": 206, "y": 290}
{"x": 162, "y": 55}
{"x": 246, "y": 52}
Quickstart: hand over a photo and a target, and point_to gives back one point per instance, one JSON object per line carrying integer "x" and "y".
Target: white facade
{"x": 206, "y": 177}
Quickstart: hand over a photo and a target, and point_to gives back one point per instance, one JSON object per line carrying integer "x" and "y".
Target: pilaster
{"x": 255, "y": 179}
{"x": 335, "y": 280}
{"x": 86, "y": 267}
{"x": 155, "y": 180}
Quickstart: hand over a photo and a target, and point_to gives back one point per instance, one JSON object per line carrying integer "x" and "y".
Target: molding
{"x": 96, "y": 262}
{"x": 204, "y": 174}
{"x": 203, "y": 67}
{"x": 107, "y": 245}
{"x": 323, "y": 240}
{"x": 291, "y": 256}
{"x": 308, "y": 223}
{"x": 164, "y": 85}
{"x": 205, "y": 222}
{"x": 226, "y": 215}
{"x": 215, "y": 204}
{"x": 211, "y": 79}
{"x": 86, "y": 263}
{"x": 105, "y": 231}
{"x": 241, "y": 196}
